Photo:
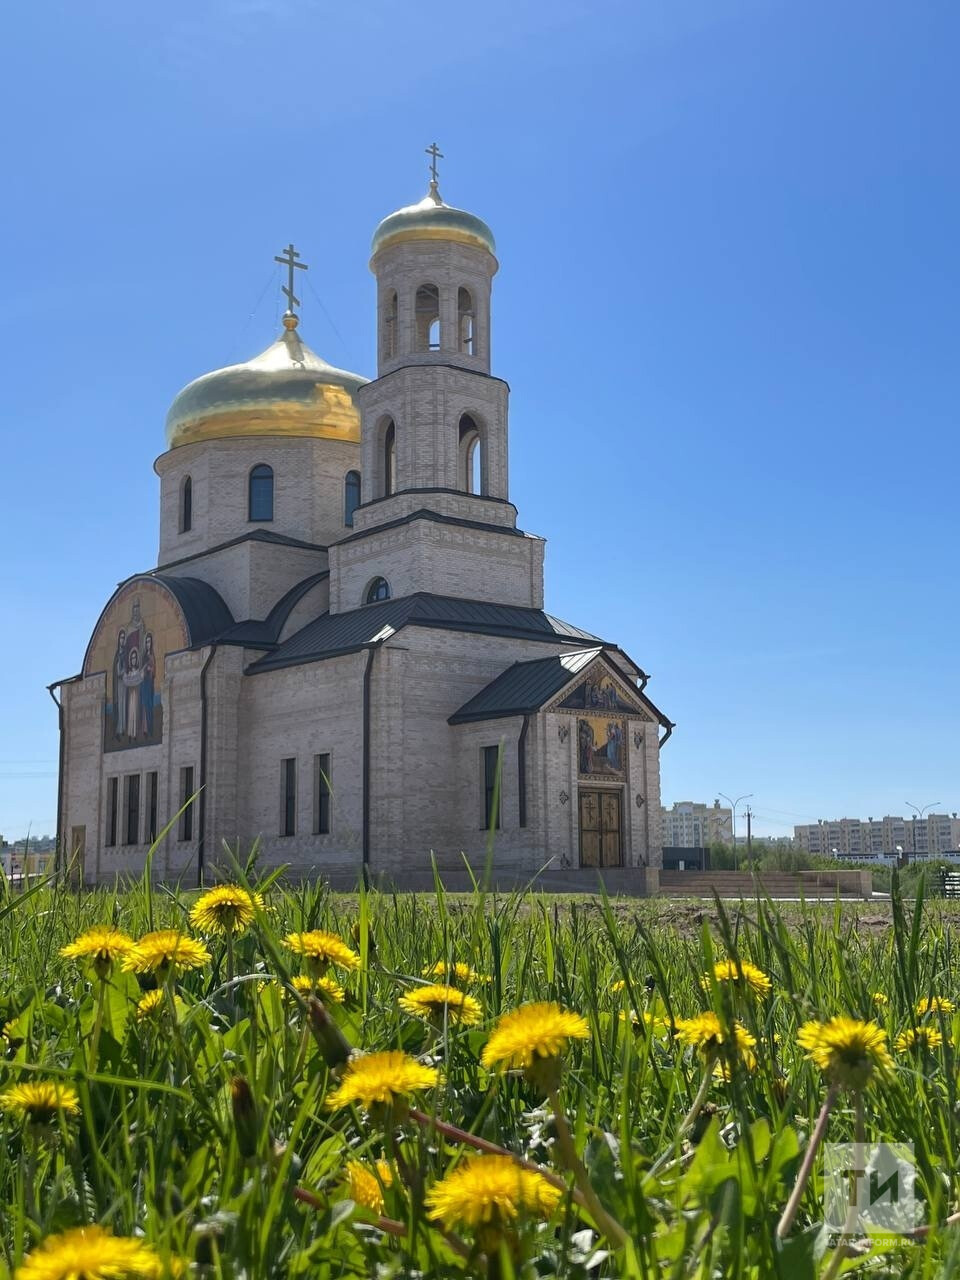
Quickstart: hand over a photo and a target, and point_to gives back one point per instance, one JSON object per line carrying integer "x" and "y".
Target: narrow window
{"x": 152, "y": 780}
{"x": 321, "y": 794}
{"x": 113, "y": 804}
{"x": 288, "y": 797}
{"x": 186, "y": 793}
{"x": 131, "y": 809}
{"x": 471, "y": 456}
{"x": 351, "y": 497}
{"x": 491, "y": 787}
{"x": 427, "y": 317}
{"x": 379, "y": 589}
{"x": 390, "y": 319}
{"x": 389, "y": 460}
{"x": 465, "y": 322}
{"x": 186, "y": 505}
{"x": 261, "y": 493}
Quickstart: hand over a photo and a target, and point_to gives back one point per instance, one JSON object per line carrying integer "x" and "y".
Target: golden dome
{"x": 287, "y": 390}
{"x": 432, "y": 219}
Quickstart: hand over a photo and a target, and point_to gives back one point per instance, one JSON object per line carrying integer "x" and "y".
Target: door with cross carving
{"x": 600, "y": 827}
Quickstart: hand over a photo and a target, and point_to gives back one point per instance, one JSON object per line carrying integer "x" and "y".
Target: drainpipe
{"x": 202, "y": 801}
{"x": 670, "y": 729}
{"x": 522, "y": 770}
{"x": 59, "y": 833}
{"x": 367, "y": 673}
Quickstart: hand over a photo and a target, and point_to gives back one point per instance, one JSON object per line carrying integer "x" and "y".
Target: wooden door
{"x": 600, "y": 828}
{"x": 75, "y": 855}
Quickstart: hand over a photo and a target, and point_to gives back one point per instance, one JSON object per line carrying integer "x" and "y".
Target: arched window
{"x": 389, "y": 460}
{"x": 260, "y": 505}
{"x": 379, "y": 589}
{"x": 465, "y": 322}
{"x": 427, "y": 315}
{"x": 351, "y": 496}
{"x": 390, "y": 321}
{"x": 470, "y": 456}
{"x": 186, "y": 505}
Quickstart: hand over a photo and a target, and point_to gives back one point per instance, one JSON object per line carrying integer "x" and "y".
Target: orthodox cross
{"x": 288, "y": 259}
{"x": 435, "y": 154}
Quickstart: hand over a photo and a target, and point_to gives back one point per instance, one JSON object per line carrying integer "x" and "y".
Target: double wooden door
{"x": 601, "y": 821}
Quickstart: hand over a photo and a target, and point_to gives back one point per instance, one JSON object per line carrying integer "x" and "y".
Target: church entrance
{"x": 600, "y": 828}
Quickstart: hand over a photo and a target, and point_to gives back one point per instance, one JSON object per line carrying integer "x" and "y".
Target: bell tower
{"x": 434, "y": 421}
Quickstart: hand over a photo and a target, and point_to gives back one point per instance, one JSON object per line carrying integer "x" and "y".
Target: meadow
{"x": 271, "y": 1080}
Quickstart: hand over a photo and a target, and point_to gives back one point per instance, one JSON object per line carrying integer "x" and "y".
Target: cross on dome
{"x": 435, "y": 154}
{"x": 288, "y": 259}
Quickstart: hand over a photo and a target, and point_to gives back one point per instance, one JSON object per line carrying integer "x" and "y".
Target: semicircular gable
{"x": 140, "y": 625}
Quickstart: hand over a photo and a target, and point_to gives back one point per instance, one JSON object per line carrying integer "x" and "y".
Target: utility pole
{"x": 733, "y": 805}
{"x": 749, "y": 837}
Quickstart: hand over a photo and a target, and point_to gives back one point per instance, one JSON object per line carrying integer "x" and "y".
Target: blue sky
{"x": 727, "y": 310}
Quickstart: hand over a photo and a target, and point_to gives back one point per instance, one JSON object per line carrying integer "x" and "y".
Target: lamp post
{"x": 733, "y": 805}
{"x": 919, "y": 817}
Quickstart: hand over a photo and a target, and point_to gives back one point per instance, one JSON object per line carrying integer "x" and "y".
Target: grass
{"x": 207, "y": 1133}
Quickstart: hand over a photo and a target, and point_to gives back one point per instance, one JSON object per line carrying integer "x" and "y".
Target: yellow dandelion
{"x": 454, "y": 971}
{"x": 619, "y": 986}
{"x": 880, "y": 999}
{"x": 326, "y": 989}
{"x": 655, "y": 1023}
{"x": 533, "y": 1031}
{"x": 365, "y": 1185}
{"x": 100, "y": 946}
{"x": 434, "y": 1003}
{"x": 227, "y": 909}
{"x": 742, "y": 975}
{"x": 321, "y": 949}
{"x": 846, "y": 1050}
{"x": 927, "y": 1038}
{"x": 39, "y": 1101}
{"x": 711, "y": 1038}
{"x": 381, "y": 1079}
{"x": 90, "y": 1253}
{"x": 934, "y": 1004}
{"x": 166, "y": 952}
{"x": 489, "y": 1193}
{"x": 154, "y": 1005}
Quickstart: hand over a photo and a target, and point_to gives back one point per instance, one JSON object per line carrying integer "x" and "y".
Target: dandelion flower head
{"x": 40, "y": 1100}
{"x": 226, "y": 909}
{"x": 925, "y": 1037}
{"x": 321, "y": 949}
{"x": 934, "y": 1004}
{"x": 846, "y": 1050}
{"x": 365, "y": 1187}
{"x": 381, "y": 1079}
{"x": 90, "y": 1253}
{"x": 490, "y": 1191}
{"x": 454, "y": 971}
{"x": 328, "y": 990}
{"x": 530, "y": 1032}
{"x": 100, "y": 946}
{"x": 710, "y": 1037}
{"x": 167, "y": 951}
{"x": 438, "y": 1001}
{"x": 743, "y": 975}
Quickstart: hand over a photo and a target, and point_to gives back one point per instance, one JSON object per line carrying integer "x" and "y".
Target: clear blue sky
{"x": 727, "y": 309}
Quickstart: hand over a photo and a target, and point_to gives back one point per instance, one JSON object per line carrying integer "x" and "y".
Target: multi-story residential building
{"x": 689, "y": 825}
{"x": 936, "y": 833}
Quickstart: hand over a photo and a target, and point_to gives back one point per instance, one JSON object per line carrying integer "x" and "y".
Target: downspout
{"x": 644, "y": 680}
{"x": 202, "y": 802}
{"x": 367, "y": 672}
{"x": 59, "y": 833}
{"x": 522, "y": 770}
{"x": 670, "y": 729}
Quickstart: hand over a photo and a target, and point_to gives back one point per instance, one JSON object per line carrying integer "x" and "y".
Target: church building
{"x": 343, "y": 651}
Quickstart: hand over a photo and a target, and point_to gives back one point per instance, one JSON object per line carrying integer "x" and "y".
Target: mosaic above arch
{"x": 136, "y": 631}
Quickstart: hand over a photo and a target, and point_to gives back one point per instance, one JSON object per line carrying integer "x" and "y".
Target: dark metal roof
{"x": 436, "y": 517}
{"x": 204, "y": 608}
{"x": 334, "y": 633}
{"x": 255, "y": 535}
{"x": 264, "y": 633}
{"x": 526, "y": 686}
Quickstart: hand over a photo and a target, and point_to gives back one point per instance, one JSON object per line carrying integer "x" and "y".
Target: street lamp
{"x": 733, "y": 805}
{"x": 919, "y": 817}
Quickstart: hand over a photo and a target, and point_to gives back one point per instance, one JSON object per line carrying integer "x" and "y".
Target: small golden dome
{"x": 287, "y": 390}
{"x": 432, "y": 219}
